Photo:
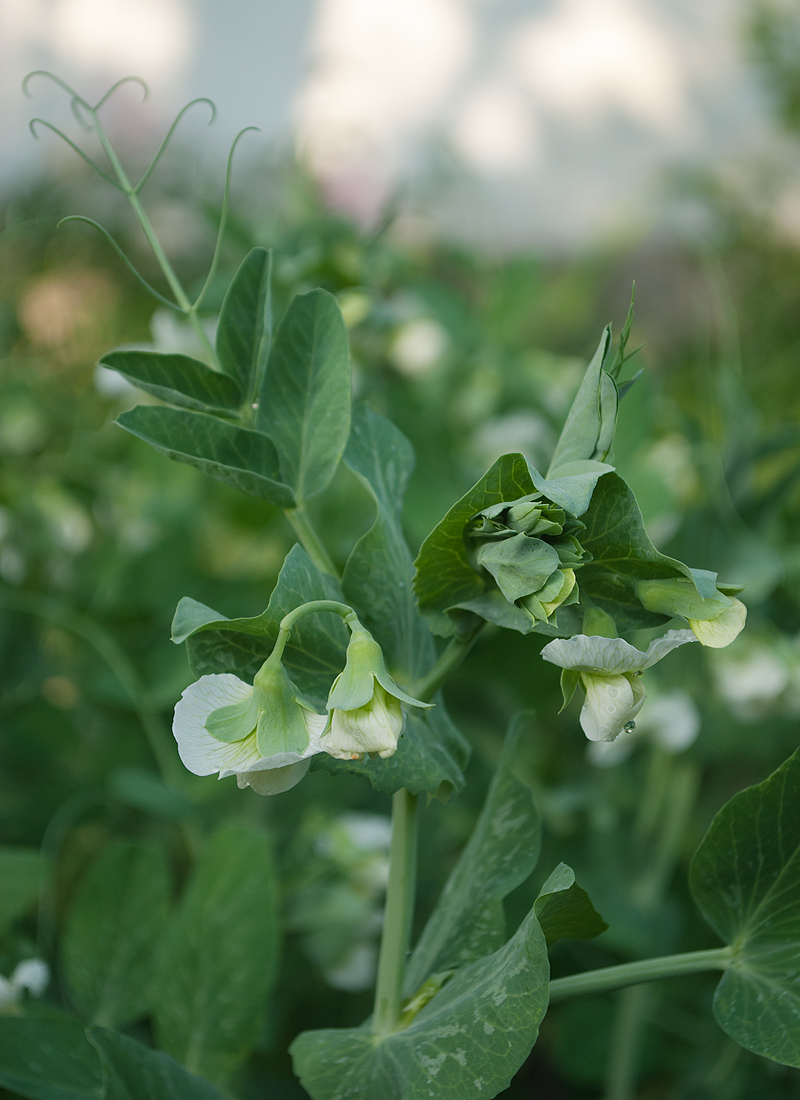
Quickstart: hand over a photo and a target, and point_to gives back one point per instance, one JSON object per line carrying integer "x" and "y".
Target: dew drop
{"x": 629, "y": 727}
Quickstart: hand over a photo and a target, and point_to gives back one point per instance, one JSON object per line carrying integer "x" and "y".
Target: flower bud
{"x": 715, "y": 621}
{"x": 364, "y": 705}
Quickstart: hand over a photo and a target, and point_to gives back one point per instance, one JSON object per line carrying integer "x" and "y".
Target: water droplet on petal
{"x": 629, "y": 727}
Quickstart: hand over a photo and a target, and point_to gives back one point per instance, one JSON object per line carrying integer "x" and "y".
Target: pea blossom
{"x": 609, "y": 671}
{"x": 365, "y": 704}
{"x": 263, "y": 733}
{"x": 715, "y": 621}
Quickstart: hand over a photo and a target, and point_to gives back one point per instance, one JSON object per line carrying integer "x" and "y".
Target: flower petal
{"x": 721, "y": 630}
{"x": 268, "y": 781}
{"x": 375, "y": 727}
{"x": 611, "y": 702}
{"x": 611, "y": 656}
{"x": 200, "y": 752}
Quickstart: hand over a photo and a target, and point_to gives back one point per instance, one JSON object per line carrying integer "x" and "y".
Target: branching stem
{"x": 645, "y": 970}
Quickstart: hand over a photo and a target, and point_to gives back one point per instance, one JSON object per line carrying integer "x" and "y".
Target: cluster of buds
{"x": 530, "y": 549}
{"x": 267, "y": 732}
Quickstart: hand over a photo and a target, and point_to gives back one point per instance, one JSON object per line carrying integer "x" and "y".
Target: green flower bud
{"x": 716, "y": 620}
{"x": 364, "y": 705}
{"x": 530, "y": 549}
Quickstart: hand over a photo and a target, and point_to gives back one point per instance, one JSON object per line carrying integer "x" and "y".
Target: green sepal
{"x": 569, "y": 682}
{"x": 281, "y": 726}
{"x": 679, "y": 596}
{"x": 564, "y": 909}
{"x": 598, "y": 623}
{"x": 234, "y": 722}
{"x": 355, "y": 685}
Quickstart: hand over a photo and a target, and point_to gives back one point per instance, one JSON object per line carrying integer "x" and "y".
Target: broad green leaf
{"x": 49, "y": 1059}
{"x": 573, "y": 487}
{"x": 217, "y": 965}
{"x": 245, "y": 322}
{"x": 623, "y": 555}
{"x": 378, "y": 576}
{"x": 176, "y": 379}
{"x": 589, "y": 428}
{"x": 304, "y": 403}
{"x": 468, "y": 921}
{"x": 132, "y": 1071}
{"x": 244, "y": 459}
{"x": 112, "y": 930}
{"x": 430, "y": 758}
{"x": 22, "y": 871}
{"x": 745, "y": 879}
{"x": 444, "y": 577}
{"x": 565, "y": 911}
{"x": 315, "y": 654}
{"x": 468, "y": 1042}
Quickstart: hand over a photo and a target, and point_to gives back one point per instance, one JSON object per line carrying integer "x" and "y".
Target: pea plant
{"x": 346, "y": 671}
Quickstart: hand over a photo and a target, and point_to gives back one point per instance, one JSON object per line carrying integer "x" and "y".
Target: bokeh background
{"x": 479, "y": 183}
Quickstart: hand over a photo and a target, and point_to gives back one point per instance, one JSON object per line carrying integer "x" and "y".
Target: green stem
{"x": 646, "y": 970}
{"x": 310, "y": 608}
{"x": 161, "y": 257}
{"x": 399, "y": 912}
{"x": 310, "y": 540}
{"x": 625, "y": 1043}
{"x": 450, "y": 657}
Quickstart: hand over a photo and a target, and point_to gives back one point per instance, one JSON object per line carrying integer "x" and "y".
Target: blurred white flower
{"x": 418, "y": 346}
{"x": 671, "y": 721}
{"x": 30, "y": 976}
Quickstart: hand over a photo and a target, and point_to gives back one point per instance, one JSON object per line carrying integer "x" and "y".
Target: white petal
{"x": 200, "y": 752}
{"x": 33, "y": 975}
{"x": 375, "y": 727}
{"x": 612, "y": 656}
{"x": 274, "y": 780}
{"x": 611, "y": 702}
{"x": 721, "y": 630}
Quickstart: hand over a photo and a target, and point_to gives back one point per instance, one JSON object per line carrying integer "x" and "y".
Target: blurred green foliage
{"x": 472, "y": 356}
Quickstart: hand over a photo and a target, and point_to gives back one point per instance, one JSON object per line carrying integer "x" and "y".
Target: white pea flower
{"x": 609, "y": 670}
{"x": 365, "y": 704}
{"x": 263, "y": 733}
{"x": 31, "y": 976}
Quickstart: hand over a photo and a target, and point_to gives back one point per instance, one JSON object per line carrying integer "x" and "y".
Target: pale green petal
{"x": 611, "y": 702}
{"x": 375, "y": 727}
{"x": 273, "y": 780}
{"x": 200, "y": 752}
{"x": 613, "y": 656}
{"x": 721, "y": 630}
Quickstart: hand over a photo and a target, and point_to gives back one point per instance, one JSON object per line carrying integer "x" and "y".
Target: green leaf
{"x": 147, "y": 792}
{"x": 745, "y": 879}
{"x": 565, "y": 911}
{"x": 589, "y": 428}
{"x": 573, "y": 487}
{"x": 430, "y": 758}
{"x": 244, "y": 459}
{"x": 378, "y": 576}
{"x": 623, "y": 555}
{"x": 468, "y": 921}
{"x": 176, "y": 379}
{"x": 315, "y": 654}
{"x": 112, "y": 930}
{"x": 22, "y": 871}
{"x": 467, "y": 1042}
{"x": 444, "y": 577}
{"x": 132, "y": 1071}
{"x": 49, "y": 1060}
{"x": 219, "y": 955}
{"x": 304, "y": 403}
{"x": 245, "y": 322}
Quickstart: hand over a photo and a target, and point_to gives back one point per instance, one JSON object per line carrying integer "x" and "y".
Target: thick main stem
{"x": 647, "y": 970}
{"x": 310, "y": 540}
{"x": 398, "y": 916}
